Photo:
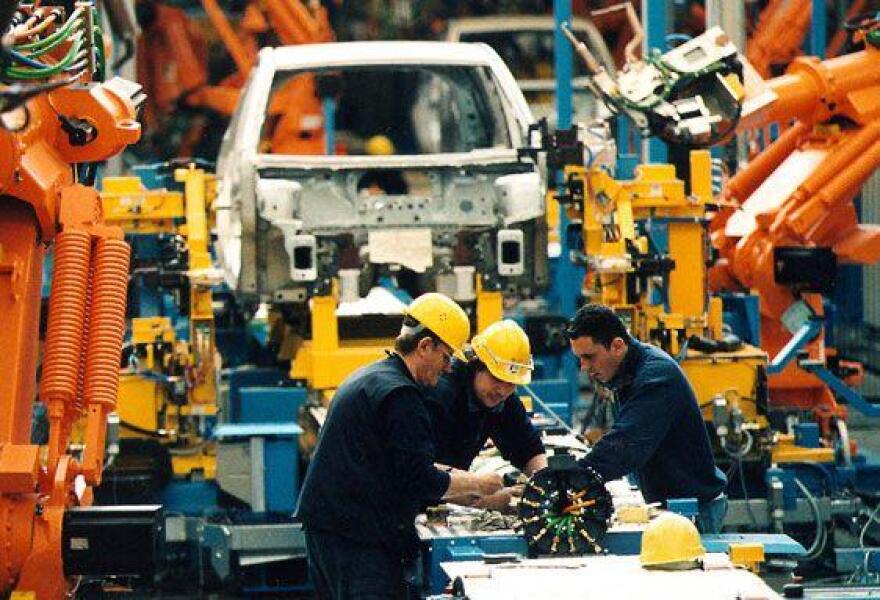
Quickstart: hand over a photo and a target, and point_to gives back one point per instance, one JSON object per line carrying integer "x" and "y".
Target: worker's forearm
{"x": 535, "y": 464}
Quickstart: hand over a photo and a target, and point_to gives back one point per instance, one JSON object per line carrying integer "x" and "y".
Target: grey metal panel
{"x": 871, "y": 281}
{"x": 738, "y": 514}
{"x": 731, "y": 17}
{"x": 871, "y": 273}
{"x": 258, "y": 474}
{"x": 234, "y": 469}
{"x": 252, "y": 544}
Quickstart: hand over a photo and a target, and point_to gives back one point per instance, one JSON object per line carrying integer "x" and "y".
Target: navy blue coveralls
{"x": 659, "y": 434}
{"x": 460, "y": 424}
{"x": 371, "y": 474}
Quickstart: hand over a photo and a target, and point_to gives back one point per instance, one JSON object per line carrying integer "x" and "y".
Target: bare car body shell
{"x": 266, "y": 202}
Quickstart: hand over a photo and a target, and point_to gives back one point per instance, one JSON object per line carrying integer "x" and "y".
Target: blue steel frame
{"x": 818, "y": 42}
{"x": 655, "y": 20}
{"x": 566, "y": 277}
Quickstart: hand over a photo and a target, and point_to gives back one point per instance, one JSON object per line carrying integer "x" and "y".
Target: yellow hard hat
{"x": 446, "y": 319}
{"x": 504, "y": 348}
{"x": 671, "y": 541}
{"x": 379, "y": 145}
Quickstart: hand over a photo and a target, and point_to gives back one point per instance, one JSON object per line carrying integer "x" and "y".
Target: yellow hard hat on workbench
{"x": 671, "y": 541}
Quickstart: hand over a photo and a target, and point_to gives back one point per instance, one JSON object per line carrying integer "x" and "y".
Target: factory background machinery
{"x": 707, "y": 170}
{"x": 787, "y": 425}
{"x": 61, "y": 118}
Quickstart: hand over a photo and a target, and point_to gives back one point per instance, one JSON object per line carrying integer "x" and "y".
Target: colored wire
{"x": 69, "y": 58}
{"x": 27, "y": 60}
{"x": 56, "y": 37}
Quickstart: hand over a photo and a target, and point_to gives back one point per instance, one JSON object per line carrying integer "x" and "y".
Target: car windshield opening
{"x": 384, "y": 110}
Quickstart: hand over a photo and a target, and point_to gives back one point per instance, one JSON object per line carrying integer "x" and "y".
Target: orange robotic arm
{"x": 42, "y": 204}
{"x": 779, "y": 34}
{"x": 799, "y": 193}
{"x": 173, "y": 40}
{"x": 832, "y": 141}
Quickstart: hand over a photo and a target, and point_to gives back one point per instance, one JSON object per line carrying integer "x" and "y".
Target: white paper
{"x": 410, "y": 248}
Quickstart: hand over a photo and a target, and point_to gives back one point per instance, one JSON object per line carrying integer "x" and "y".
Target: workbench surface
{"x": 603, "y": 577}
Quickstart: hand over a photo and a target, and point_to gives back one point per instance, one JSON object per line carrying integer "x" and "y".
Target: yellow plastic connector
{"x": 749, "y": 556}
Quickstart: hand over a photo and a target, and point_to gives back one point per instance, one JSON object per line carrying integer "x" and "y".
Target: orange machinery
{"x": 41, "y": 141}
{"x": 778, "y": 35}
{"x": 787, "y": 218}
{"x": 172, "y": 65}
{"x": 798, "y": 193}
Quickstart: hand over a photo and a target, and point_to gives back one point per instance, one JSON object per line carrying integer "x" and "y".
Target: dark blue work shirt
{"x": 460, "y": 424}
{"x": 373, "y": 470}
{"x": 658, "y": 431}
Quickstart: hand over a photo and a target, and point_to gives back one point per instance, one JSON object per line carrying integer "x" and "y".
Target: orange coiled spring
{"x": 67, "y": 310}
{"x": 107, "y": 323}
{"x": 79, "y": 400}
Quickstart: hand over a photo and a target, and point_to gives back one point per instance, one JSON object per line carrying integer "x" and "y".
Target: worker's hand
{"x": 592, "y": 434}
{"x": 500, "y": 500}
{"x": 488, "y": 483}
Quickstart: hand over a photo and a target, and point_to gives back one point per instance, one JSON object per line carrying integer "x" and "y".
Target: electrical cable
{"x": 140, "y": 430}
{"x": 56, "y": 38}
{"x": 818, "y": 546}
{"x": 871, "y": 519}
{"x": 550, "y": 411}
{"x": 28, "y": 73}
{"x": 829, "y": 480}
{"x": 35, "y": 29}
{"x": 682, "y": 354}
{"x": 27, "y": 60}
{"x": 742, "y": 483}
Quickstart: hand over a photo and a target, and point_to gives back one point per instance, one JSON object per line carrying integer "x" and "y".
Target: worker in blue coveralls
{"x": 476, "y": 402}
{"x": 658, "y": 431}
{"x": 373, "y": 468}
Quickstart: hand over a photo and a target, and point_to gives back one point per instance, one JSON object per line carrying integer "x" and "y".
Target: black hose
{"x": 829, "y": 481}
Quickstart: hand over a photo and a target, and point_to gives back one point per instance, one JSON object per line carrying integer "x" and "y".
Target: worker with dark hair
{"x": 476, "y": 402}
{"x": 373, "y": 468}
{"x": 658, "y": 431}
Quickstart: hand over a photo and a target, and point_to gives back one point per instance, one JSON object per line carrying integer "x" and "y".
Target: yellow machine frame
{"x": 325, "y": 361}
{"x": 611, "y": 208}
{"x": 141, "y": 398}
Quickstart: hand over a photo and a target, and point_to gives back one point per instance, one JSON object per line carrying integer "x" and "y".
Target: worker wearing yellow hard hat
{"x": 476, "y": 402}
{"x": 373, "y": 468}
